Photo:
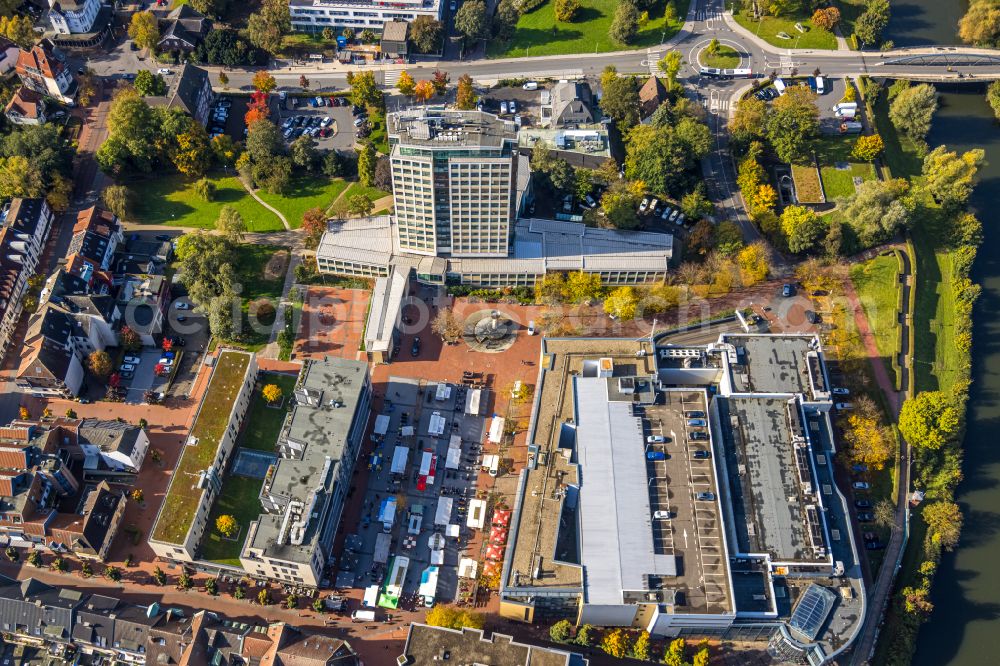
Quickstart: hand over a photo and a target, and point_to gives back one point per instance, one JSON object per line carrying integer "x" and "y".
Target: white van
{"x": 847, "y": 114}
{"x": 531, "y": 327}
{"x": 844, "y": 105}
{"x": 779, "y": 85}
{"x": 820, "y": 88}
{"x": 363, "y": 616}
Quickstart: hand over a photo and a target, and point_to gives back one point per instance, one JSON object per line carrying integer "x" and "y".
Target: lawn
{"x": 725, "y": 58}
{"x": 839, "y": 183}
{"x": 305, "y": 193}
{"x": 877, "y": 284}
{"x": 538, "y": 33}
{"x": 252, "y": 262}
{"x": 181, "y": 501}
{"x": 901, "y": 154}
{"x": 170, "y": 200}
{"x": 264, "y": 422}
{"x": 850, "y": 10}
{"x": 807, "y": 187}
{"x": 373, "y": 193}
{"x": 240, "y": 498}
{"x": 769, "y": 27}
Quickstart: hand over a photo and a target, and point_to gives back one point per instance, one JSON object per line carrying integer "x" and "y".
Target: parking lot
{"x": 431, "y": 490}
{"x": 332, "y": 127}
{"x": 683, "y": 495}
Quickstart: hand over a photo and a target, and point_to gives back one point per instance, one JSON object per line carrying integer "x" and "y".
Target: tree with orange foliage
{"x": 424, "y": 90}
{"x": 264, "y": 82}
{"x": 257, "y": 109}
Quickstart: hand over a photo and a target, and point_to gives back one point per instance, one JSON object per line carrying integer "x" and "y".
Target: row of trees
{"x": 621, "y": 643}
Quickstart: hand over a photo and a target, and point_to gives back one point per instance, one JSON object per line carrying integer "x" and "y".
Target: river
{"x": 964, "y": 629}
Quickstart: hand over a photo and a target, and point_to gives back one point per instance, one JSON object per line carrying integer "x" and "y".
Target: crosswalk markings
{"x": 391, "y": 77}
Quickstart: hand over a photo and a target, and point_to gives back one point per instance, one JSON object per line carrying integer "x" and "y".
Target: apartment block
{"x": 43, "y": 68}
{"x": 304, "y": 492}
{"x": 26, "y": 224}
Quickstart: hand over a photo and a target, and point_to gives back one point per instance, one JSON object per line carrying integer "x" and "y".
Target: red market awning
{"x": 501, "y": 517}
{"x": 498, "y": 534}
{"x": 494, "y": 552}
{"x": 490, "y": 567}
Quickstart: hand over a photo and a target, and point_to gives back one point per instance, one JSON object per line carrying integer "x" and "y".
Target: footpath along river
{"x": 964, "y": 629}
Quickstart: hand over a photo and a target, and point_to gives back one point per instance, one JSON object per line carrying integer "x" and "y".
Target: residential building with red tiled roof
{"x": 26, "y": 107}
{"x": 43, "y": 68}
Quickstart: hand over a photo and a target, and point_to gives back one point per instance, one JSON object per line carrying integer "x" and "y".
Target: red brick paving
{"x": 332, "y": 324}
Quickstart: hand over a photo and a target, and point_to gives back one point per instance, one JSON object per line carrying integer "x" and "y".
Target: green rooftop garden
{"x": 183, "y": 495}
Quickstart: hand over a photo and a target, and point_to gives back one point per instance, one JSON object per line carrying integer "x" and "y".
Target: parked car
{"x": 530, "y": 85}
{"x": 667, "y": 210}
{"x": 182, "y": 305}
{"x": 865, "y": 517}
{"x": 415, "y": 349}
{"x": 812, "y": 317}
{"x": 840, "y": 391}
{"x": 844, "y": 406}
{"x": 178, "y": 341}
{"x": 696, "y": 423}
{"x": 701, "y": 455}
{"x": 164, "y": 71}
{"x": 590, "y": 201}
{"x": 644, "y": 205}
{"x": 870, "y": 536}
{"x": 859, "y": 468}
{"x": 860, "y": 485}
{"x": 163, "y": 238}
{"x": 662, "y": 515}
{"x": 127, "y": 367}
{"x": 166, "y": 362}
{"x": 358, "y": 122}
{"x": 132, "y": 360}
{"x": 512, "y": 105}
{"x": 863, "y": 503}
{"x": 874, "y": 545}
{"x": 656, "y": 455}
{"x": 787, "y": 290}
{"x": 694, "y": 414}
{"x": 698, "y": 435}
{"x": 656, "y": 439}
{"x": 128, "y": 374}
{"x": 705, "y": 497}
{"x": 674, "y": 214}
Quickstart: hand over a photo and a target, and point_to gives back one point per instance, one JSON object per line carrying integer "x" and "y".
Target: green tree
{"x": 550, "y": 289}
{"x": 622, "y": 303}
{"x": 303, "y": 153}
{"x": 144, "y": 30}
{"x": 59, "y": 564}
{"x": 566, "y": 10}
{"x": 230, "y": 224}
{"x": 405, "y": 84}
{"x": 35, "y": 558}
{"x": 210, "y": 7}
{"x": 239, "y": 592}
{"x": 993, "y": 95}
{"x": 913, "y": 109}
{"x": 191, "y": 153}
{"x": 561, "y": 631}
{"x": 582, "y": 287}
{"x": 619, "y": 203}
{"x": 366, "y": 163}
{"x": 426, "y": 33}
{"x": 212, "y": 587}
{"x": 86, "y": 570}
{"x": 625, "y": 24}
{"x": 749, "y": 123}
{"x": 20, "y": 177}
{"x": 878, "y": 209}
{"x": 112, "y": 573}
{"x": 149, "y": 84}
{"x": 670, "y": 65}
{"x": 944, "y": 523}
{"x": 291, "y": 601}
{"x": 18, "y": 29}
{"x": 620, "y": 100}
{"x": 802, "y": 228}
{"x": 116, "y": 199}
{"x": 184, "y": 581}
{"x": 948, "y": 176}
{"x": 269, "y": 24}
{"x": 264, "y": 597}
{"x": 702, "y": 657}
{"x": 318, "y": 606}
{"x": 553, "y": 171}
{"x": 929, "y": 419}
{"x": 134, "y": 134}
{"x": 205, "y": 189}
{"x": 471, "y": 21}
{"x": 695, "y": 204}
{"x": 505, "y": 20}
{"x": 365, "y": 92}
{"x": 872, "y": 22}
{"x": 793, "y": 124}
{"x": 360, "y": 205}
{"x": 159, "y": 577}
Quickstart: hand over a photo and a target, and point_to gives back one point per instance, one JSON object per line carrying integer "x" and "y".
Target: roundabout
{"x": 726, "y": 54}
